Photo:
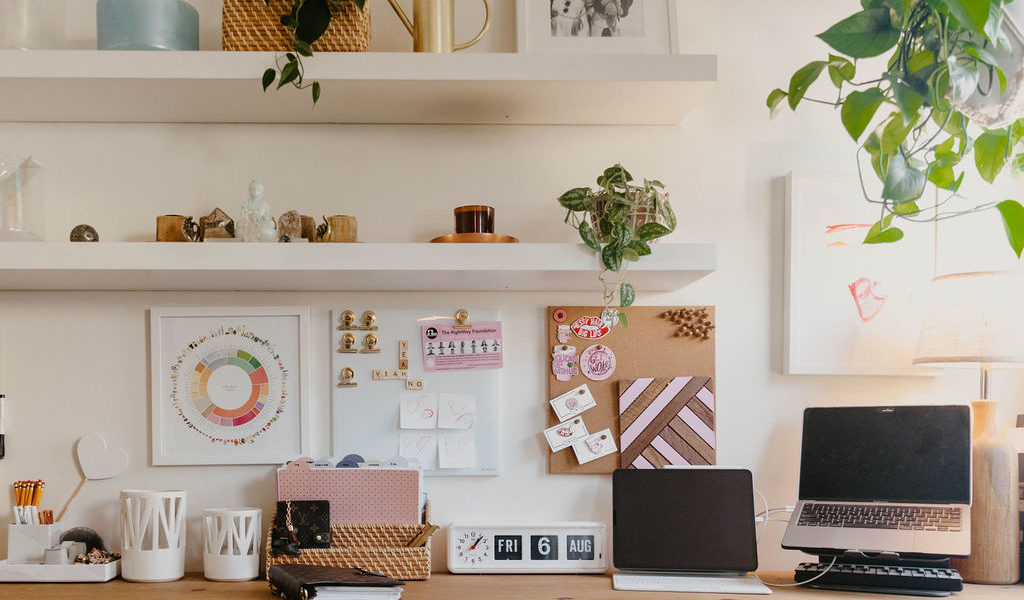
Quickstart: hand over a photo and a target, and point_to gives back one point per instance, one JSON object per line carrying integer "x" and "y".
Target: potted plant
{"x": 912, "y": 120}
{"x": 619, "y": 220}
{"x": 307, "y": 21}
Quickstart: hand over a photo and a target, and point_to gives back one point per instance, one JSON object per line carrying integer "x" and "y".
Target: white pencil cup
{"x": 152, "y": 535}
{"x": 231, "y": 543}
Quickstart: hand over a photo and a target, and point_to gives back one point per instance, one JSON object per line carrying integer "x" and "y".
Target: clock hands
{"x": 473, "y": 547}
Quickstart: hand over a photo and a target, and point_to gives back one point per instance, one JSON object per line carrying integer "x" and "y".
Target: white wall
{"x": 76, "y": 363}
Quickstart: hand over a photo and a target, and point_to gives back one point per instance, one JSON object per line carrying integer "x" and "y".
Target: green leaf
{"x": 802, "y": 80}
{"x": 588, "y": 236}
{"x": 942, "y": 177}
{"x": 895, "y": 132}
{"x": 611, "y": 256}
{"x": 641, "y": 248}
{"x": 288, "y": 74}
{"x": 882, "y": 233}
{"x": 972, "y": 14}
{"x": 313, "y": 19}
{"x": 268, "y": 78}
{"x": 624, "y": 320}
{"x": 650, "y": 231}
{"x": 902, "y": 182}
{"x": 577, "y": 199}
{"x": 774, "y": 102}
{"x": 360, "y": 4}
{"x": 840, "y": 70}
{"x": 858, "y": 110}
{"x": 630, "y": 254}
{"x": 963, "y": 77}
{"x": 990, "y": 153}
{"x": 626, "y": 295}
{"x": 666, "y": 212}
{"x": 615, "y": 175}
{"x": 864, "y": 34}
{"x": 303, "y": 48}
{"x": 316, "y": 91}
{"x": 624, "y": 234}
{"x": 288, "y": 20}
{"x": 1013, "y": 221}
{"x": 920, "y": 60}
{"x": 909, "y": 101}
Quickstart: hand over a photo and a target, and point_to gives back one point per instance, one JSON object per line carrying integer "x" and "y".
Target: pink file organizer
{"x": 357, "y": 496}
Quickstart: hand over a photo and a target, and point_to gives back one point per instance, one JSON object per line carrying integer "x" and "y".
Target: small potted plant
{"x": 619, "y": 220}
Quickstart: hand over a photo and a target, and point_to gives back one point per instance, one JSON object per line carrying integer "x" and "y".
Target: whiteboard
{"x": 365, "y": 418}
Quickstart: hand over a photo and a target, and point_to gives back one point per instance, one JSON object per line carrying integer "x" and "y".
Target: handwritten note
{"x": 418, "y": 446}
{"x": 419, "y": 411}
{"x": 456, "y": 411}
{"x": 456, "y": 451}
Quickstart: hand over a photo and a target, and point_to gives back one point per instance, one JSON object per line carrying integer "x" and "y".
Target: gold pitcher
{"x": 433, "y": 25}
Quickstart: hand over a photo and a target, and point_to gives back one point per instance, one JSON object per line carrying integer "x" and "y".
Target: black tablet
{"x": 693, "y": 519}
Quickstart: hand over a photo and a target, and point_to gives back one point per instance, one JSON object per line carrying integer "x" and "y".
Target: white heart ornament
{"x": 98, "y": 461}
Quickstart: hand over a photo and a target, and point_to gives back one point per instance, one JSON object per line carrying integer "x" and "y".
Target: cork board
{"x": 649, "y": 347}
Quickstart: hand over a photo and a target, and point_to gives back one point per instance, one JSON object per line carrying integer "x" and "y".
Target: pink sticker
{"x": 563, "y": 334}
{"x": 597, "y": 362}
{"x": 590, "y": 328}
{"x": 564, "y": 366}
{"x": 453, "y": 348}
{"x": 571, "y": 403}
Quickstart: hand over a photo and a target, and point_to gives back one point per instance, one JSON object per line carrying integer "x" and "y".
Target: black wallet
{"x": 302, "y": 582}
{"x": 301, "y": 524}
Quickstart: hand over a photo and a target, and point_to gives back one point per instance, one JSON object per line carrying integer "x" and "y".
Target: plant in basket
{"x": 619, "y": 221}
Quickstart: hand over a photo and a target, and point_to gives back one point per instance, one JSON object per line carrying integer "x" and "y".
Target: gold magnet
{"x": 348, "y": 378}
{"x": 348, "y": 320}
{"x": 370, "y": 344}
{"x": 368, "y": 319}
{"x": 348, "y": 344}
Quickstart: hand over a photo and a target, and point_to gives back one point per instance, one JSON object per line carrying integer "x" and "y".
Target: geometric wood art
{"x": 666, "y": 421}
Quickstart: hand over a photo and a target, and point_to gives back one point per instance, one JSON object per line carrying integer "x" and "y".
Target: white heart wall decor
{"x": 98, "y": 461}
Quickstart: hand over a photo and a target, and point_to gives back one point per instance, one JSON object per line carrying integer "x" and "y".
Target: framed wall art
{"x": 850, "y": 308}
{"x": 229, "y": 385}
{"x": 597, "y": 26}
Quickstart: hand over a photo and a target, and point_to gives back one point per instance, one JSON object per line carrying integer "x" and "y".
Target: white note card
{"x": 419, "y": 446}
{"x": 456, "y": 451}
{"x": 563, "y": 435}
{"x": 456, "y": 411}
{"x": 594, "y": 446}
{"x": 574, "y": 402}
{"x": 419, "y": 410}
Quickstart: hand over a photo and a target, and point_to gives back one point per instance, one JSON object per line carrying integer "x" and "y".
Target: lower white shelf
{"x": 40, "y": 573}
{"x": 335, "y": 267}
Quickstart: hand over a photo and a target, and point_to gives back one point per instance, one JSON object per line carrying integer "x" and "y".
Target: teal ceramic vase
{"x": 146, "y": 25}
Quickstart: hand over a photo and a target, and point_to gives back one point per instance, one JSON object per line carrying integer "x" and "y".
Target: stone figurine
{"x": 255, "y": 223}
{"x": 84, "y": 233}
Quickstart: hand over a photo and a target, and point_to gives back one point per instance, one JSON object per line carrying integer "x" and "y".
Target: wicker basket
{"x": 378, "y": 548}
{"x": 250, "y": 25}
{"x": 642, "y": 214}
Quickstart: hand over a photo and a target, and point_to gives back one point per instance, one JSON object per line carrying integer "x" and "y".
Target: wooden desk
{"x": 443, "y": 586}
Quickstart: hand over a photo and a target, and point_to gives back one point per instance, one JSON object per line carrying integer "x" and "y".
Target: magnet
{"x": 348, "y": 378}
{"x": 597, "y": 362}
{"x": 563, "y": 334}
{"x": 559, "y": 315}
{"x": 370, "y": 344}
{"x": 348, "y": 320}
{"x": 348, "y": 344}
{"x": 368, "y": 318}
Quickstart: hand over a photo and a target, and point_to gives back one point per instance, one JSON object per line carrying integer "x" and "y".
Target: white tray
{"x": 40, "y": 573}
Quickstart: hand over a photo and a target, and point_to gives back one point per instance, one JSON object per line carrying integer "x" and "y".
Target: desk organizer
{"x": 378, "y": 548}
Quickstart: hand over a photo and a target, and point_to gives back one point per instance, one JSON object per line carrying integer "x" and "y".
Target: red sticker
{"x": 559, "y": 315}
{"x": 590, "y": 328}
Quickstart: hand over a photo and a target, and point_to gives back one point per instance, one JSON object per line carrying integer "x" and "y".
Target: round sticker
{"x": 597, "y": 362}
{"x": 559, "y": 315}
{"x": 590, "y": 328}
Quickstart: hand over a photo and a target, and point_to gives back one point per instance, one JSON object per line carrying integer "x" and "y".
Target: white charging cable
{"x": 765, "y": 516}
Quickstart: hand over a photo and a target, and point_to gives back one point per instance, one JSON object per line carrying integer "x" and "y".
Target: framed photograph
{"x": 229, "y": 385}
{"x": 850, "y": 308}
{"x": 597, "y": 26}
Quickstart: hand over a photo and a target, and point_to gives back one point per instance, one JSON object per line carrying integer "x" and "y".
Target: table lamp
{"x": 976, "y": 322}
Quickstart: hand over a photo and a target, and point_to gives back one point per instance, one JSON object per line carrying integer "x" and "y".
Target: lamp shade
{"x": 974, "y": 319}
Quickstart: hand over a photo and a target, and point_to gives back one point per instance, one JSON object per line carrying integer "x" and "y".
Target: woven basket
{"x": 250, "y": 25}
{"x": 642, "y": 214}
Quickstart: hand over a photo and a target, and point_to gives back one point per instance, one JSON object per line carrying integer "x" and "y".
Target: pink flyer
{"x": 454, "y": 348}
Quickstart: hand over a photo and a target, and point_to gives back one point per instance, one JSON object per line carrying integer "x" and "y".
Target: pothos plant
{"x": 617, "y": 221}
{"x": 940, "y": 53}
{"x": 308, "y": 20}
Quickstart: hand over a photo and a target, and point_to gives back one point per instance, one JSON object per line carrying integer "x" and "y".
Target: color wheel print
{"x": 229, "y": 386}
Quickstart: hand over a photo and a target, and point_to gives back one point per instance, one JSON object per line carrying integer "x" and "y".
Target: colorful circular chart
{"x": 229, "y": 386}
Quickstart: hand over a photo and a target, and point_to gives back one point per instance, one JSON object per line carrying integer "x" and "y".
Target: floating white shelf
{"x": 334, "y": 267}
{"x": 224, "y": 87}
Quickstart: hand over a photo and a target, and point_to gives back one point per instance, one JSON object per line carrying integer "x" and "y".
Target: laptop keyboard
{"x": 881, "y": 516}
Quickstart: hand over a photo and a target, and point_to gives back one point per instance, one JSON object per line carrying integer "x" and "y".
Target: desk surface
{"x": 450, "y": 587}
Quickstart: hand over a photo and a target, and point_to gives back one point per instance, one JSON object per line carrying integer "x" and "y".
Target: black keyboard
{"x": 881, "y": 516}
{"x": 882, "y": 579}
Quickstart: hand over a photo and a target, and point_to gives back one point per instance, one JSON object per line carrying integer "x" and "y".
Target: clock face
{"x": 472, "y": 548}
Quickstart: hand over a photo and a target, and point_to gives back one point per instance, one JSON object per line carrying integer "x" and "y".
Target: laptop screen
{"x": 684, "y": 520}
{"x": 916, "y": 454}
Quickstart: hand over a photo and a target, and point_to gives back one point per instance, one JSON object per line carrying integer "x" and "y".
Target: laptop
{"x": 884, "y": 479}
{"x": 684, "y": 530}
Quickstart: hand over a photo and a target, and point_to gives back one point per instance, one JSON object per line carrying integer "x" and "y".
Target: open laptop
{"x": 684, "y": 530}
{"x": 884, "y": 479}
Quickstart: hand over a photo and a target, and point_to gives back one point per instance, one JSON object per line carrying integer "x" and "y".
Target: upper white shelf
{"x": 224, "y": 87}
{"x": 335, "y": 267}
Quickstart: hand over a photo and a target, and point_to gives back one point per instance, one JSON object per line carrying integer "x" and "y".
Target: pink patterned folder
{"x": 357, "y": 496}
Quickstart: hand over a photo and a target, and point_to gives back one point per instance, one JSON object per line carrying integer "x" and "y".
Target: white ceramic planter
{"x": 231, "y": 543}
{"x": 152, "y": 535}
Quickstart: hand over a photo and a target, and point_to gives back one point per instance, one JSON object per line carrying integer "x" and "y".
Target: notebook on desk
{"x": 889, "y": 479}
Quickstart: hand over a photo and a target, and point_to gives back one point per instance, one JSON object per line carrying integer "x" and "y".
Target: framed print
{"x": 850, "y": 308}
{"x": 597, "y": 26}
{"x": 229, "y": 385}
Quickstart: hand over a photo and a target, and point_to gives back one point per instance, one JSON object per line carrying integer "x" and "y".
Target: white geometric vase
{"x": 152, "y": 535}
{"x": 231, "y": 543}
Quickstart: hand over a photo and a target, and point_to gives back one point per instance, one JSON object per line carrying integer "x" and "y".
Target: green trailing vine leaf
{"x": 576, "y": 199}
{"x": 859, "y": 109}
{"x": 990, "y": 153}
{"x": 1013, "y": 222}
{"x": 650, "y": 231}
{"x": 802, "y": 80}
{"x": 864, "y": 34}
{"x": 624, "y": 320}
{"x": 588, "y": 236}
{"x": 882, "y": 232}
{"x": 626, "y": 295}
{"x": 611, "y": 256}
{"x": 774, "y": 101}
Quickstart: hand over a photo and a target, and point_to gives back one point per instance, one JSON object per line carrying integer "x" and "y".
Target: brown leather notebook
{"x": 301, "y": 582}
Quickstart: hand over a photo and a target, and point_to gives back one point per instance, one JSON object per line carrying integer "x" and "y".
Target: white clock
{"x": 571, "y": 547}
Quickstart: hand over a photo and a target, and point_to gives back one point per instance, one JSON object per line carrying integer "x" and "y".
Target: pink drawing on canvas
{"x": 869, "y": 303}
{"x": 845, "y": 227}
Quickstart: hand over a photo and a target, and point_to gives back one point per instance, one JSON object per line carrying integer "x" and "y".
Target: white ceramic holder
{"x": 231, "y": 543}
{"x": 28, "y": 543}
{"x": 152, "y": 535}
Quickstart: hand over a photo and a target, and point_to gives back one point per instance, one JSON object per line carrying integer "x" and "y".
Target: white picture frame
{"x": 836, "y": 321}
{"x": 256, "y": 358}
{"x": 659, "y": 25}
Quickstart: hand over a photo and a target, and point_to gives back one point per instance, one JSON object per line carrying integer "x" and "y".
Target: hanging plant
{"x": 913, "y": 120}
